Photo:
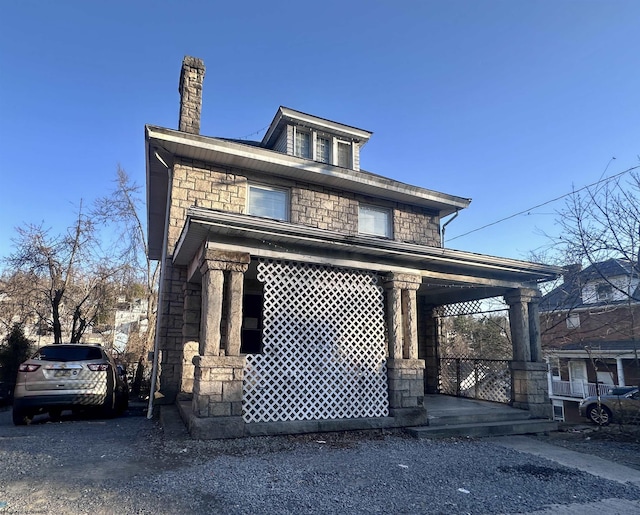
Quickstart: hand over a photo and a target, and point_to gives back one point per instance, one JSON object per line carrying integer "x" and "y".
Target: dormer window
{"x": 344, "y": 154}
{"x": 323, "y": 149}
{"x": 303, "y": 143}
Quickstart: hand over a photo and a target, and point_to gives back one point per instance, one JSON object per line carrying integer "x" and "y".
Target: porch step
{"x": 477, "y": 417}
{"x": 483, "y": 429}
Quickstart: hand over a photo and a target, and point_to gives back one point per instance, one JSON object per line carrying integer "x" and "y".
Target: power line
{"x": 547, "y": 202}
{"x": 254, "y": 133}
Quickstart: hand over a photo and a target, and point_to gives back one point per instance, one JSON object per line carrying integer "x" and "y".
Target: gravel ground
{"x": 126, "y": 465}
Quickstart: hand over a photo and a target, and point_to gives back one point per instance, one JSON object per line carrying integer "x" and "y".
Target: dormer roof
{"x": 286, "y": 116}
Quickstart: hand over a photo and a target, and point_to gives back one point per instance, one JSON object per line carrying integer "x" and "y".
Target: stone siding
{"x": 415, "y": 225}
{"x": 195, "y": 184}
{"x": 203, "y": 186}
{"x": 324, "y": 209}
{"x": 171, "y": 339}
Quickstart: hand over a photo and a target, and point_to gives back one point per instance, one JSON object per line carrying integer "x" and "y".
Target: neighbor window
{"x": 573, "y": 321}
{"x": 604, "y": 292}
{"x": 303, "y": 144}
{"x": 374, "y": 221}
{"x": 268, "y": 202}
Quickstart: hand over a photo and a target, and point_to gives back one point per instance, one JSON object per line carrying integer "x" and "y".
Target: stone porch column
{"x": 530, "y": 387}
{"x": 216, "y": 409}
{"x": 192, "y": 295}
{"x": 211, "y": 317}
{"x": 234, "y": 294}
{"x": 405, "y": 371}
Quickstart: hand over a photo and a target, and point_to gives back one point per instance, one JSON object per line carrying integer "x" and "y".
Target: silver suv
{"x": 69, "y": 376}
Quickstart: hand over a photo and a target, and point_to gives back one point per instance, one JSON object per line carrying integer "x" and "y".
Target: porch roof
{"x": 164, "y": 145}
{"x": 629, "y": 349}
{"x": 448, "y": 275}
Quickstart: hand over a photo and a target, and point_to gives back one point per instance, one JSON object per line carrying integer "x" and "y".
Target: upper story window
{"x": 303, "y": 143}
{"x": 323, "y": 149}
{"x": 268, "y": 202}
{"x": 604, "y": 292}
{"x": 374, "y": 221}
{"x": 344, "y": 154}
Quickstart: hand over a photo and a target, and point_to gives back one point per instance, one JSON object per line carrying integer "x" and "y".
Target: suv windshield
{"x": 68, "y": 353}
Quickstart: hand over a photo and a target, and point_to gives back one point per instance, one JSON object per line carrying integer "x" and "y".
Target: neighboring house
{"x": 590, "y": 333}
{"x": 130, "y": 318}
{"x": 299, "y": 292}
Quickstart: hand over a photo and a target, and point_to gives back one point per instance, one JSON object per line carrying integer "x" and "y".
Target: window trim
{"x": 389, "y": 225}
{"x": 269, "y": 187}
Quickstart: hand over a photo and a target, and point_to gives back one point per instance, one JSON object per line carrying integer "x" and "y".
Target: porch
{"x": 576, "y": 389}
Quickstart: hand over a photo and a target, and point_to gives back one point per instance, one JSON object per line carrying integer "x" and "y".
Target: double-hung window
{"x": 374, "y": 221}
{"x": 268, "y": 202}
{"x": 303, "y": 143}
{"x": 344, "y": 155}
{"x": 323, "y": 149}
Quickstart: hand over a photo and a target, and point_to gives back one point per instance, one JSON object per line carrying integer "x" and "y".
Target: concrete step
{"x": 483, "y": 429}
{"x": 481, "y": 416}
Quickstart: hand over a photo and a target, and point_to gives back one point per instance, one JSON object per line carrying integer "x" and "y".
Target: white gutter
{"x": 159, "y": 312}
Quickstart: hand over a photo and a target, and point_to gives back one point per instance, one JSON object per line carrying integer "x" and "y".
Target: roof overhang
{"x": 594, "y": 353}
{"x": 448, "y": 275}
{"x": 165, "y": 146}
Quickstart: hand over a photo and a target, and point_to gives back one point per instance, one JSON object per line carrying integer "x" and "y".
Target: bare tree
{"x": 123, "y": 210}
{"x": 67, "y": 271}
{"x": 602, "y": 222}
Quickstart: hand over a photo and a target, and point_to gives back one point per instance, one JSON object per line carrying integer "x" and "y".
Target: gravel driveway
{"x": 127, "y": 465}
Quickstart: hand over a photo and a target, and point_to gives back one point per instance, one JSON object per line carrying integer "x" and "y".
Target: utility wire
{"x": 253, "y": 133}
{"x": 547, "y": 202}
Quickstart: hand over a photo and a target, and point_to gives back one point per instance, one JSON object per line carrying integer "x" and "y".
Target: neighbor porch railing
{"x": 578, "y": 389}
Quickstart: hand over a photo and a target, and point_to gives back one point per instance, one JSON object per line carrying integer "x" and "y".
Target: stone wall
{"x": 171, "y": 340}
{"x": 414, "y": 225}
{"x": 195, "y": 184}
{"x": 199, "y": 185}
{"x": 324, "y": 209}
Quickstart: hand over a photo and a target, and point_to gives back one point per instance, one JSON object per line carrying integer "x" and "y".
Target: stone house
{"x": 298, "y": 291}
{"x": 590, "y": 326}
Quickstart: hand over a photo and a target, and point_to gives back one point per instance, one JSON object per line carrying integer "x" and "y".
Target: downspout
{"x": 444, "y": 226}
{"x": 159, "y": 313}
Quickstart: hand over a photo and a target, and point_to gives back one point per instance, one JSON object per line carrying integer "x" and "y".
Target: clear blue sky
{"x": 510, "y": 103}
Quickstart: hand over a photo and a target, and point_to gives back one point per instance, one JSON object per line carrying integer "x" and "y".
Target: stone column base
{"x": 216, "y": 406}
{"x": 530, "y": 388}
{"x": 406, "y": 391}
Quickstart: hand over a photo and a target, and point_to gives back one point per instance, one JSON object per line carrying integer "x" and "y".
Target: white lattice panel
{"x": 323, "y": 346}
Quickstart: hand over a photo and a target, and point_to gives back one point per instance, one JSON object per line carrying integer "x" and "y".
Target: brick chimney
{"x": 190, "y": 89}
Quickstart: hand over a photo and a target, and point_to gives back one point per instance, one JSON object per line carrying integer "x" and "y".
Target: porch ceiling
{"x": 448, "y": 275}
